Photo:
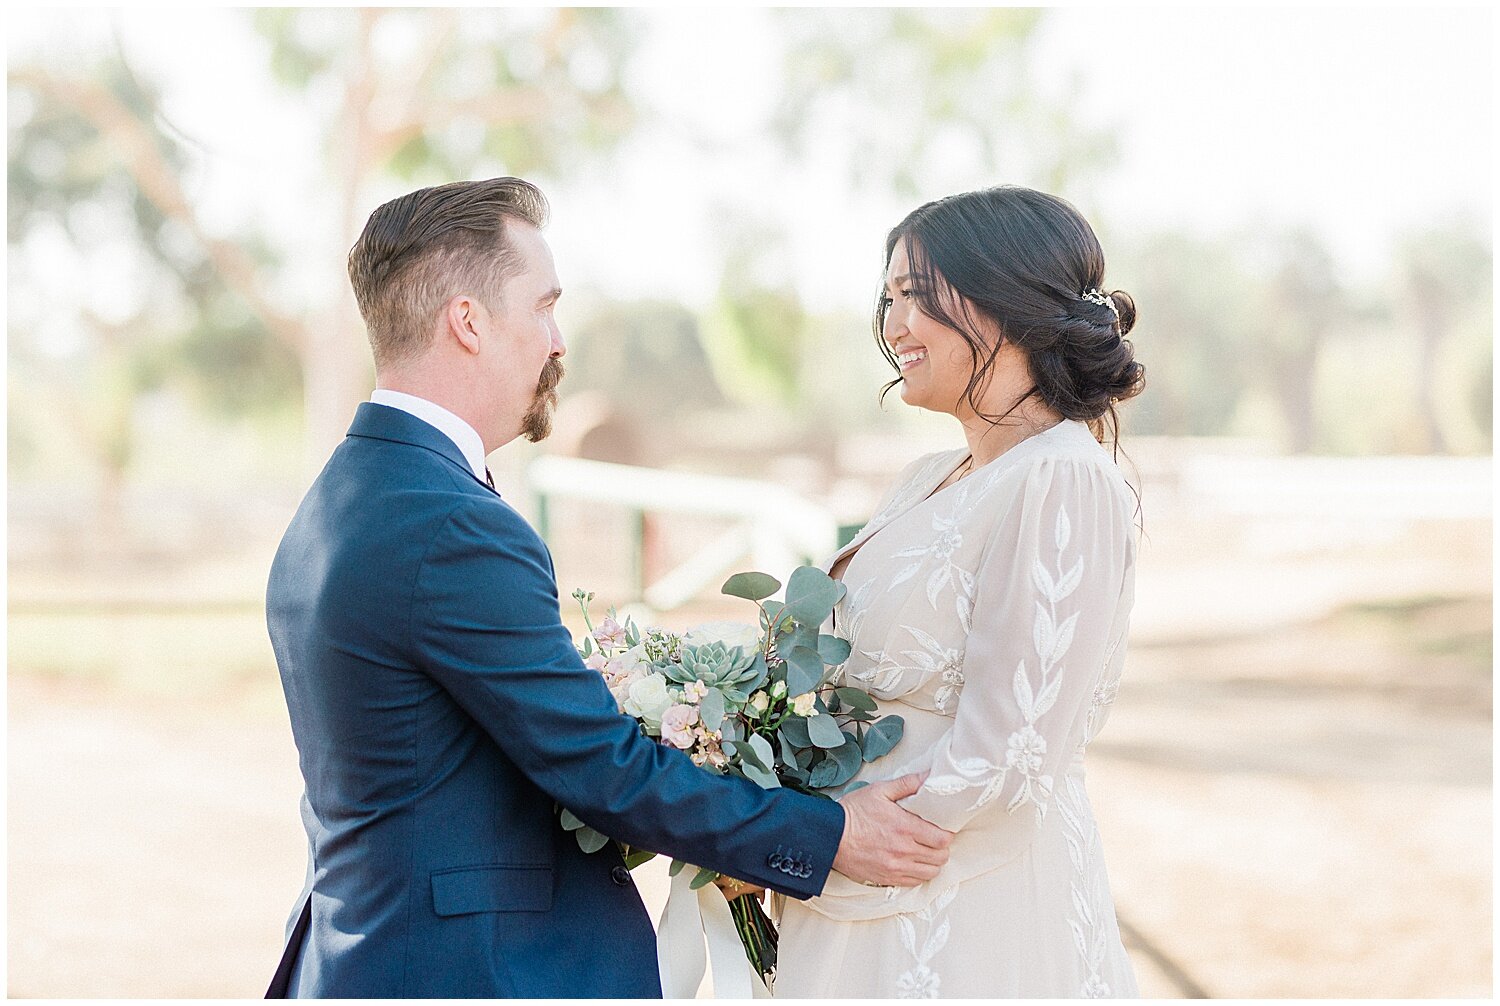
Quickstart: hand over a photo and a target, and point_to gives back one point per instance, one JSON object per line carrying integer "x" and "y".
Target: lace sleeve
{"x": 1045, "y": 598}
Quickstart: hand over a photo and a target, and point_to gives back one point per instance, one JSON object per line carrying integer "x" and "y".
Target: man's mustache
{"x": 552, "y": 375}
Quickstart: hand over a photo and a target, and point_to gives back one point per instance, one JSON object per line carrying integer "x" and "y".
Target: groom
{"x": 437, "y": 702}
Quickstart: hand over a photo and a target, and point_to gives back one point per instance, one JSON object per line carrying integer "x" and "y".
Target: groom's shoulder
{"x": 475, "y": 519}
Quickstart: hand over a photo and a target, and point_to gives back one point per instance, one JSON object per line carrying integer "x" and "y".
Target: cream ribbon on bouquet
{"x": 689, "y": 920}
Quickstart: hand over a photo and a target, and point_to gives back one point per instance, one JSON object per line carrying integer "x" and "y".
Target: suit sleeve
{"x": 487, "y": 627}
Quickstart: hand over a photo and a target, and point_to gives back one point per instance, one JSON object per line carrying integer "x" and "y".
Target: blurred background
{"x": 1295, "y": 786}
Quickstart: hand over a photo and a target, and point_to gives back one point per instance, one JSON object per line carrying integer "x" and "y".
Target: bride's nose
{"x": 894, "y": 328}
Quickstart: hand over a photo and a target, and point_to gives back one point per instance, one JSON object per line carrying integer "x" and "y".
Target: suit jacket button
{"x": 620, "y": 875}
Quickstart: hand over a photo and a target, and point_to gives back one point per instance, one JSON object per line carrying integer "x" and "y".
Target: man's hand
{"x": 733, "y": 888}
{"x": 887, "y": 845}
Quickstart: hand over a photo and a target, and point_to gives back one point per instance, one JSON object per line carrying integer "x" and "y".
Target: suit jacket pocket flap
{"x": 467, "y": 889}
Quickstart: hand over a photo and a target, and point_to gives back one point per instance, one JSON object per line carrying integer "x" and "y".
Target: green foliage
{"x": 882, "y": 736}
{"x": 811, "y": 596}
{"x": 751, "y": 586}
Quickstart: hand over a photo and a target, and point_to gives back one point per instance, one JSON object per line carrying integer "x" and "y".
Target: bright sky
{"x": 1359, "y": 123}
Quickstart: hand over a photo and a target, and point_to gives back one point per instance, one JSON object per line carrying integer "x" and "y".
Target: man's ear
{"x": 463, "y": 320}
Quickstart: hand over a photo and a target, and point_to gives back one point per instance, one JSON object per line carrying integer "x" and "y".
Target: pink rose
{"x": 677, "y": 726}
{"x": 619, "y": 685}
{"x": 595, "y": 661}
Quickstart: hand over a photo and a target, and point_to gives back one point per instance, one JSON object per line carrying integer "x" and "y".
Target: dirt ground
{"x": 1296, "y": 812}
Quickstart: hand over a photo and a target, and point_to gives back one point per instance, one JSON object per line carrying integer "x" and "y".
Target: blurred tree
{"x": 1443, "y": 278}
{"x": 419, "y": 95}
{"x": 923, "y": 101}
{"x": 93, "y": 177}
{"x": 1301, "y": 304}
{"x": 757, "y": 325}
{"x": 1195, "y": 335}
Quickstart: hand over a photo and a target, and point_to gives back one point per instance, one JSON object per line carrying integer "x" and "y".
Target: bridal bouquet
{"x": 754, "y": 700}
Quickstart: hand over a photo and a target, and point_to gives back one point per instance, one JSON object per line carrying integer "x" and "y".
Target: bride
{"x": 988, "y": 601}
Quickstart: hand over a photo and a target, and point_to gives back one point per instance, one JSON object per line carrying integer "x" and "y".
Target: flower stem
{"x": 757, "y": 933}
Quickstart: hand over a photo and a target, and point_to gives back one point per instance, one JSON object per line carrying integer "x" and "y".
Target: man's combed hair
{"x": 421, "y": 249}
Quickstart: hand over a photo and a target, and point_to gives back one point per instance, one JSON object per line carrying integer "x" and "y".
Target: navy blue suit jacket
{"x": 439, "y": 710}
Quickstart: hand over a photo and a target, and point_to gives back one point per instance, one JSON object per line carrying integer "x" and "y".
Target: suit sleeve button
{"x": 620, "y": 875}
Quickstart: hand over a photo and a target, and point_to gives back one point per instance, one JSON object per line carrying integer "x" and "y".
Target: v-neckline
{"x": 860, "y": 540}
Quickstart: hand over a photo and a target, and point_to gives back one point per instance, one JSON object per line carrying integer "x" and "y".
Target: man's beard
{"x": 537, "y": 423}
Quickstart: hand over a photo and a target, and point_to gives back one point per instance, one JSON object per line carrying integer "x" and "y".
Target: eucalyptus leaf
{"x": 762, "y": 748}
{"x": 675, "y": 868}
{"x": 635, "y": 857}
{"x": 823, "y": 774}
{"x": 570, "y": 821}
{"x": 764, "y": 778}
{"x": 848, "y": 759}
{"x": 711, "y": 709}
{"x": 824, "y": 731}
{"x": 794, "y": 732}
{"x": 703, "y": 878}
{"x": 751, "y": 586}
{"x": 748, "y": 755}
{"x": 833, "y": 650}
{"x": 802, "y": 635}
{"x": 788, "y": 752}
{"x": 804, "y": 671}
{"x": 883, "y": 735}
{"x": 590, "y": 840}
{"x": 857, "y": 784}
{"x": 811, "y": 595}
{"x": 855, "y": 699}
{"x": 588, "y": 647}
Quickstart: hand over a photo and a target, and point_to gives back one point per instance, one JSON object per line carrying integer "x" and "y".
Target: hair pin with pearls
{"x": 1097, "y": 296}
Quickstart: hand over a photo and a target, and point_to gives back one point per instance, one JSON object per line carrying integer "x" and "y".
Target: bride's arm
{"x": 1045, "y": 598}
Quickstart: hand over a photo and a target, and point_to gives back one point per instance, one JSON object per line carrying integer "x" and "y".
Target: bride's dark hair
{"x": 1023, "y": 260}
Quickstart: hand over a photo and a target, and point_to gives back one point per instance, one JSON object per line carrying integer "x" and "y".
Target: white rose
{"x": 803, "y": 705}
{"x": 648, "y": 699}
{"x": 746, "y": 637}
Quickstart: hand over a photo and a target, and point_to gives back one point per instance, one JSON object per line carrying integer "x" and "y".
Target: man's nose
{"x": 559, "y": 347}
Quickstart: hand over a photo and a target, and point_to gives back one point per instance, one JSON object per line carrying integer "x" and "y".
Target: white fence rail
{"x": 775, "y": 527}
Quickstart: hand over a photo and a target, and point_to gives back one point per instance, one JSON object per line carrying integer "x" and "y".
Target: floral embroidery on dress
{"x": 1087, "y": 886}
{"x": 944, "y": 663}
{"x": 1026, "y": 748}
{"x": 946, "y": 541}
{"x": 921, "y": 981}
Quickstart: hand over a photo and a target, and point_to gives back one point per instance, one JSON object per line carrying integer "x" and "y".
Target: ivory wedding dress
{"x": 992, "y": 616}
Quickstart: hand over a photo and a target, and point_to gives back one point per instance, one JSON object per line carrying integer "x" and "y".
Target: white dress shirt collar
{"x": 464, "y": 436}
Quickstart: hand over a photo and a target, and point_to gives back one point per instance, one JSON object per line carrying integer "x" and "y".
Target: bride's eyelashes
{"x": 887, "y": 301}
